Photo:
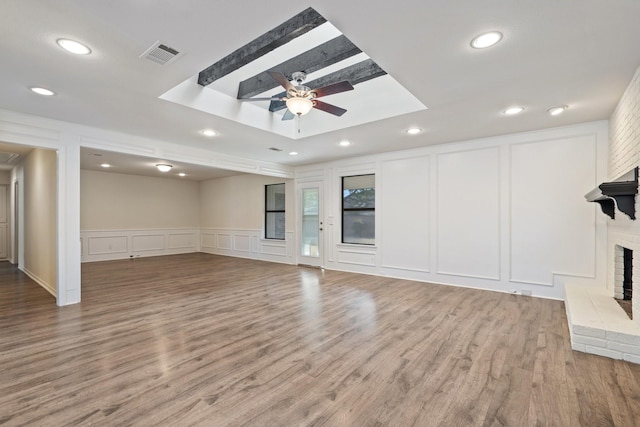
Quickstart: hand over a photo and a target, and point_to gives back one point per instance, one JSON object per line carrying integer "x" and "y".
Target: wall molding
{"x": 106, "y": 245}
{"x": 247, "y": 243}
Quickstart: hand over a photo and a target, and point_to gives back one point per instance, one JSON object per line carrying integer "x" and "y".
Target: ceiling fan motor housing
{"x": 298, "y": 76}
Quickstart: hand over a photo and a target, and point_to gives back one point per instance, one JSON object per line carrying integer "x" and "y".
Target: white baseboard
{"x": 47, "y": 286}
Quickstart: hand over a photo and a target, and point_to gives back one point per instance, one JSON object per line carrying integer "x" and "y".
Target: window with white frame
{"x": 274, "y": 211}
{"x": 359, "y": 209}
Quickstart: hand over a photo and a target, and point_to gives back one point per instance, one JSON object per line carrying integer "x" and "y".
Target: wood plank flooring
{"x": 205, "y": 340}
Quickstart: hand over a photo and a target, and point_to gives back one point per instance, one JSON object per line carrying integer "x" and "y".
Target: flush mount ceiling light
{"x": 182, "y": 174}
{"x": 105, "y": 165}
{"x": 73, "y": 46}
{"x": 299, "y": 106}
{"x": 513, "y": 111}
{"x": 209, "y": 132}
{"x": 293, "y": 153}
{"x": 413, "y": 131}
{"x": 163, "y": 167}
{"x": 486, "y": 40}
{"x": 42, "y": 91}
{"x": 345, "y": 143}
{"x": 555, "y": 111}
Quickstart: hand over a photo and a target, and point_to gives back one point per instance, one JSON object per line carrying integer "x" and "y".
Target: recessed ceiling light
{"x": 486, "y": 40}
{"x": 513, "y": 111}
{"x": 413, "y": 131}
{"x": 163, "y": 167}
{"x": 73, "y": 46}
{"x": 42, "y": 91}
{"x": 105, "y": 165}
{"x": 345, "y": 143}
{"x": 209, "y": 132}
{"x": 293, "y": 153}
{"x": 182, "y": 174}
{"x": 554, "y": 111}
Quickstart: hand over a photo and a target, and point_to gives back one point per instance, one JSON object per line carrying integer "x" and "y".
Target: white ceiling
{"x": 580, "y": 53}
{"x": 93, "y": 159}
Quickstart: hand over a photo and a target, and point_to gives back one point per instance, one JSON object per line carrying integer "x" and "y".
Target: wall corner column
{"x": 68, "y": 219}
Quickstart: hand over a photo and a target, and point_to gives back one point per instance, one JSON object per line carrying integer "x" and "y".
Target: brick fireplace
{"x": 597, "y": 323}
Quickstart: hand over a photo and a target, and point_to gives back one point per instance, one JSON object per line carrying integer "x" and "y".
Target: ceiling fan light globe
{"x": 299, "y": 106}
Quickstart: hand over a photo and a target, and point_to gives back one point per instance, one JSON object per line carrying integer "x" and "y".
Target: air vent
{"x": 275, "y": 149}
{"x": 160, "y": 53}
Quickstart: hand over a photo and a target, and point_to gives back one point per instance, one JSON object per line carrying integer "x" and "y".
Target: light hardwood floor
{"x": 215, "y": 341}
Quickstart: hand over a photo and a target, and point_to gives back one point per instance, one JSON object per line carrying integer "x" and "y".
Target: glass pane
{"x": 310, "y": 222}
{"x": 275, "y": 225}
{"x": 358, "y": 192}
{"x": 275, "y": 197}
{"x": 359, "y": 227}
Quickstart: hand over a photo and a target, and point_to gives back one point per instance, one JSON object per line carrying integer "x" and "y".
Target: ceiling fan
{"x": 301, "y": 99}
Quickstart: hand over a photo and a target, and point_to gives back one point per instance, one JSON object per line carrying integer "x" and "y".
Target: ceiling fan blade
{"x": 288, "y": 115}
{"x": 273, "y": 98}
{"x": 328, "y": 108}
{"x": 333, "y": 88}
{"x": 280, "y": 78}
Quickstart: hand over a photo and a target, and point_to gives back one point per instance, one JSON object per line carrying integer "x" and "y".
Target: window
{"x": 274, "y": 211}
{"x": 359, "y": 209}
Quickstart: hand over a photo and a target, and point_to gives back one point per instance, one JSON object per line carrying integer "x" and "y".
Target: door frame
{"x": 318, "y": 261}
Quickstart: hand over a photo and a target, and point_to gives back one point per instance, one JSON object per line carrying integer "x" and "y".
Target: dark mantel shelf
{"x": 623, "y": 191}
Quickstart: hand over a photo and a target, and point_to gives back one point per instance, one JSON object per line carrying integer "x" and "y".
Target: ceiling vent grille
{"x": 160, "y": 53}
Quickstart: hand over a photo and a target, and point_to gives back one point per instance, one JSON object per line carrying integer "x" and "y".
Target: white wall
{"x": 129, "y": 216}
{"x": 112, "y": 201}
{"x": 504, "y": 213}
{"x": 40, "y": 219}
{"x": 232, "y": 218}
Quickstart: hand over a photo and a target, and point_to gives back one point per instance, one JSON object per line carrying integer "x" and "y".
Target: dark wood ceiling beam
{"x": 321, "y": 56}
{"x": 303, "y": 22}
{"x": 357, "y": 73}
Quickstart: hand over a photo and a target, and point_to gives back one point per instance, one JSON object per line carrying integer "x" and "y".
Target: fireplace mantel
{"x": 620, "y": 192}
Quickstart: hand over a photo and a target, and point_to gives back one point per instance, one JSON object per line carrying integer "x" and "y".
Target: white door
{"x": 311, "y": 227}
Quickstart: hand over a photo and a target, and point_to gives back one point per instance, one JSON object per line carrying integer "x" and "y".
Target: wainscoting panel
{"x": 104, "y": 245}
{"x": 356, "y": 256}
{"x": 247, "y": 244}
{"x": 468, "y": 213}
{"x": 242, "y": 242}
{"x": 553, "y": 228}
{"x": 107, "y": 245}
{"x": 183, "y": 240}
{"x": 224, "y": 241}
{"x": 150, "y": 242}
{"x": 405, "y": 214}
